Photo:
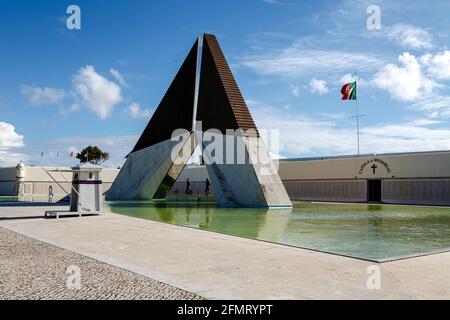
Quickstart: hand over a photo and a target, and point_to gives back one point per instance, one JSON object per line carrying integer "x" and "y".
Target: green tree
{"x": 92, "y": 155}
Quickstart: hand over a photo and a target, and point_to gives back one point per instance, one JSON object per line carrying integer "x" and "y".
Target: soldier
{"x": 188, "y": 187}
{"x": 207, "y": 186}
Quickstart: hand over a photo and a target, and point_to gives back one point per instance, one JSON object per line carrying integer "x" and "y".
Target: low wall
{"x": 38, "y": 190}
{"x": 423, "y": 191}
{"x": 327, "y": 190}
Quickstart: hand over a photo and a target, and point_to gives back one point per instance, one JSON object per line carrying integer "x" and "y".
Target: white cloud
{"x": 137, "y": 112}
{"x": 405, "y": 137}
{"x": 318, "y": 86}
{"x": 295, "y": 61}
{"x": 74, "y": 107}
{"x": 10, "y": 139}
{"x": 406, "y": 82}
{"x": 435, "y": 106}
{"x": 295, "y": 90}
{"x": 96, "y": 91}
{"x": 116, "y": 74}
{"x": 302, "y": 136}
{"x": 410, "y": 36}
{"x": 424, "y": 122}
{"x": 8, "y": 158}
{"x": 347, "y": 78}
{"x": 438, "y": 65}
{"x": 38, "y": 96}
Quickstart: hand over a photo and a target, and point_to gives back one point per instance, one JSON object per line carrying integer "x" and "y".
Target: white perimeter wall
{"x": 37, "y": 181}
{"x": 428, "y": 165}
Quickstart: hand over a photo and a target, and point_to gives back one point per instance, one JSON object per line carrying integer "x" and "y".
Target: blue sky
{"x": 61, "y": 89}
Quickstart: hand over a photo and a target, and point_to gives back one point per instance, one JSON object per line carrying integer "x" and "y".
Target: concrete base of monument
{"x": 190, "y": 198}
{"x": 267, "y": 174}
{"x": 145, "y": 170}
{"x": 254, "y": 184}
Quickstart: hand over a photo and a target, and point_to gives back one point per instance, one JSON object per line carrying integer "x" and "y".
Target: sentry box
{"x": 86, "y": 192}
{"x": 86, "y": 195}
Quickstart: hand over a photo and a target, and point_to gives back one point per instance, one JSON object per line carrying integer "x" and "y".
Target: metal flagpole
{"x": 357, "y": 112}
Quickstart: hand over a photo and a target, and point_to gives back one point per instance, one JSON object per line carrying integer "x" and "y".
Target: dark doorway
{"x": 374, "y": 190}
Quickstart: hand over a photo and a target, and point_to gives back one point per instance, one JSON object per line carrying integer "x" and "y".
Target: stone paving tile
{"x": 31, "y": 269}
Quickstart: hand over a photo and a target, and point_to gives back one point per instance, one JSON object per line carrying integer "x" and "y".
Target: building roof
{"x": 87, "y": 167}
{"x": 368, "y": 155}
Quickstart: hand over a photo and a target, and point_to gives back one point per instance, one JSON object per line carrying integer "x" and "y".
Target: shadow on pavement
{"x": 32, "y": 204}
{"x": 11, "y": 216}
{"x": 23, "y": 218}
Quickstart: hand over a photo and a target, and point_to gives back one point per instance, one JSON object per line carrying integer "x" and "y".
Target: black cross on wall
{"x": 374, "y": 167}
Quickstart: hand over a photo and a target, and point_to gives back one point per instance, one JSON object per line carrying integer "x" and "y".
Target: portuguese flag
{"x": 349, "y": 91}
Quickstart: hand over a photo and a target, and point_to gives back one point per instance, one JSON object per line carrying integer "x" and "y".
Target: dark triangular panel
{"x": 220, "y": 102}
{"x": 176, "y": 109}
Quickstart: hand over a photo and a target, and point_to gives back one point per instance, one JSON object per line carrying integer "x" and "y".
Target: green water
{"x": 373, "y": 232}
{"x": 8, "y": 199}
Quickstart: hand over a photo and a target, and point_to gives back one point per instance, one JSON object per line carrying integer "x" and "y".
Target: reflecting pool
{"x": 372, "y": 232}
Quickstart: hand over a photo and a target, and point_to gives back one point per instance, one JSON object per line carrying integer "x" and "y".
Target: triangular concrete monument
{"x": 243, "y": 174}
{"x": 149, "y": 170}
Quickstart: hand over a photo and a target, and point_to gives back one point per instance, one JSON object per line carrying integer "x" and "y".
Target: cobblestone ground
{"x": 31, "y": 269}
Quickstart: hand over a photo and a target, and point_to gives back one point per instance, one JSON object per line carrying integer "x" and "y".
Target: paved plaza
{"x": 31, "y": 269}
{"x": 210, "y": 265}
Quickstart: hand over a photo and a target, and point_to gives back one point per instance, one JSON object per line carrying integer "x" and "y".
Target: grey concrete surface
{"x": 145, "y": 169}
{"x": 218, "y": 266}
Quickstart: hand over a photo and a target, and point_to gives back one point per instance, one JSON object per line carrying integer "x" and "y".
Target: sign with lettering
{"x": 374, "y": 165}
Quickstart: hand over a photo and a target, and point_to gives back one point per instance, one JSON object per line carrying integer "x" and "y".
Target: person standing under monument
{"x": 207, "y": 186}
{"x": 188, "y": 187}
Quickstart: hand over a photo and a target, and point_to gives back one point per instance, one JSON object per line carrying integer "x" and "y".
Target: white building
{"x": 31, "y": 183}
{"x": 400, "y": 178}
